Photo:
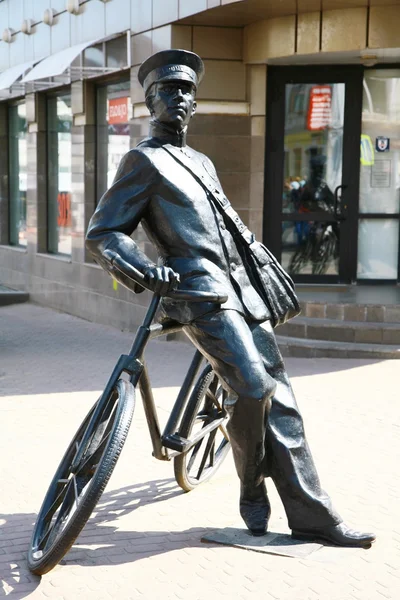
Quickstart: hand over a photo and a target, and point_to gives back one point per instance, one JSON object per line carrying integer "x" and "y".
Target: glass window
{"x": 59, "y": 125}
{"x": 378, "y": 248}
{"x": 116, "y": 53}
{"x": 314, "y": 118}
{"x": 18, "y": 173}
{"x": 313, "y": 139}
{"x": 114, "y": 111}
{"x": 380, "y": 169}
{"x": 310, "y": 247}
{"x": 378, "y": 238}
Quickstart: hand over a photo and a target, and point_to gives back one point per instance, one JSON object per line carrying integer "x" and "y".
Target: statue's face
{"x": 173, "y": 103}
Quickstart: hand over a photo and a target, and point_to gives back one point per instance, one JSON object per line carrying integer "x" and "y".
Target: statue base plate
{"x": 271, "y": 543}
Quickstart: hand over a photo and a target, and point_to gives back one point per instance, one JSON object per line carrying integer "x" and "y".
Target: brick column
{"x": 83, "y": 197}
{"x": 4, "y": 180}
{"x": 36, "y": 196}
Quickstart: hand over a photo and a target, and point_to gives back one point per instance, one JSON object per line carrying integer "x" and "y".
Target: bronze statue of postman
{"x": 175, "y": 193}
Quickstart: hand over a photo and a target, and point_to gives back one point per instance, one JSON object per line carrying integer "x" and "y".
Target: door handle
{"x": 338, "y": 213}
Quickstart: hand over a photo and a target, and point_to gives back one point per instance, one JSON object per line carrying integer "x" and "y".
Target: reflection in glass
{"x": 114, "y": 112}
{"x": 59, "y": 124}
{"x": 314, "y": 118}
{"x": 310, "y": 247}
{"x": 378, "y": 248}
{"x": 380, "y": 169}
{"x": 18, "y": 173}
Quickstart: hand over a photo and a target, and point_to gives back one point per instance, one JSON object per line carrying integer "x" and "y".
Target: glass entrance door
{"x": 379, "y": 209}
{"x": 312, "y": 171}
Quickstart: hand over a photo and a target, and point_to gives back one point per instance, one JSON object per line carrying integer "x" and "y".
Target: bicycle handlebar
{"x": 186, "y": 295}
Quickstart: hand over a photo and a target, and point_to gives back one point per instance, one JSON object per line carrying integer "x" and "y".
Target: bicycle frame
{"x": 133, "y": 364}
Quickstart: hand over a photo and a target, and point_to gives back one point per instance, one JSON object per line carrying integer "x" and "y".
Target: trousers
{"x": 265, "y": 427}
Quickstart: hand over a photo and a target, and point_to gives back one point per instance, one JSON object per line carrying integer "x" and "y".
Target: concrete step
{"x": 375, "y": 313}
{"x": 342, "y": 331}
{"x": 9, "y": 296}
{"x": 306, "y": 348}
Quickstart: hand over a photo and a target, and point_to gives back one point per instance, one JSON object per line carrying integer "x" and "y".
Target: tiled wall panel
{"x": 308, "y": 33}
{"x": 269, "y": 39}
{"x": 93, "y": 23}
{"x": 344, "y": 29}
{"x": 3, "y": 17}
{"x": 223, "y": 80}
{"x": 118, "y": 16}
{"x": 161, "y": 38}
{"x": 28, "y": 46}
{"x": 191, "y": 7}
{"x": 37, "y": 10}
{"x": 141, "y": 47}
{"x": 41, "y": 41}
{"x": 58, "y": 5}
{"x": 15, "y": 15}
{"x": 384, "y": 27}
{"x": 17, "y": 50}
{"x": 218, "y": 42}
{"x": 164, "y": 11}
{"x": 141, "y": 15}
{"x": 61, "y": 33}
{"x": 4, "y": 56}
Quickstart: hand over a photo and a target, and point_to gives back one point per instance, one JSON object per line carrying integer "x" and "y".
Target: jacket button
{"x": 222, "y": 226}
{"x": 233, "y": 267}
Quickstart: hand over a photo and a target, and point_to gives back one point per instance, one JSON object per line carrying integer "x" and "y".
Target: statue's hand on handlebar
{"x": 161, "y": 280}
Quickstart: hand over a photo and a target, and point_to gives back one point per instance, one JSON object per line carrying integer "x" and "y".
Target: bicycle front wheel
{"x": 73, "y": 494}
{"x": 205, "y": 408}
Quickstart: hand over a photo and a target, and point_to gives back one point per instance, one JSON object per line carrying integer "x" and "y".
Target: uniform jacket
{"x": 177, "y": 207}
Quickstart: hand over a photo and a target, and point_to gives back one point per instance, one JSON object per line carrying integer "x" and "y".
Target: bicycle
{"x": 189, "y": 437}
{"x": 319, "y": 248}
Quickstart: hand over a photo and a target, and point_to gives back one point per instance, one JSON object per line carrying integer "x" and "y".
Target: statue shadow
{"x": 15, "y": 534}
{"x": 103, "y": 542}
{"x": 16, "y": 530}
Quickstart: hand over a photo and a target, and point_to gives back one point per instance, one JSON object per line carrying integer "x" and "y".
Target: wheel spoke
{"x": 210, "y": 442}
{"x": 96, "y": 445}
{"x": 224, "y": 431}
{"x": 212, "y": 454}
{"x": 102, "y": 427}
{"x": 196, "y": 448}
{"x": 68, "y": 501}
{"x": 49, "y": 515}
{"x": 92, "y": 460}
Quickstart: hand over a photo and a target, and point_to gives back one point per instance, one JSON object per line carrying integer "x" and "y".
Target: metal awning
{"x": 10, "y": 76}
{"x": 57, "y": 63}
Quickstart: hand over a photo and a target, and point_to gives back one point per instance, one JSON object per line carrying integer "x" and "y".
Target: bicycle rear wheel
{"x": 204, "y": 408}
{"x": 72, "y": 496}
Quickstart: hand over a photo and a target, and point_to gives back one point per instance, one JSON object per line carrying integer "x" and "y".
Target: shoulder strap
{"x": 222, "y": 204}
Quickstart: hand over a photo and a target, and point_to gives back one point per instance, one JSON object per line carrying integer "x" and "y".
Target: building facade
{"x": 299, "y": 110}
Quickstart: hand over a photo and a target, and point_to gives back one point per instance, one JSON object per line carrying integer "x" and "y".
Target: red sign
{"x": 118, "y": 111}
{"x": 319, "y": 107}
{"x": 64, "y": 209}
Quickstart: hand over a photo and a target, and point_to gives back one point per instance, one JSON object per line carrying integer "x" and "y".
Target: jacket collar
{"x": 168, "y": 135}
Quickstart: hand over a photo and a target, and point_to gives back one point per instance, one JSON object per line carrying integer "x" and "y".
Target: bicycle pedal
{"x": 175, "y": 442}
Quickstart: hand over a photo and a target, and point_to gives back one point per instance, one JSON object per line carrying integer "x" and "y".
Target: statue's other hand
{"x": 161, "y": 280}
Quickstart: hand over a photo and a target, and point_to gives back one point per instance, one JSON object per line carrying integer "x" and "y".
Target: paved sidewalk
{"x": 144, "y": 541}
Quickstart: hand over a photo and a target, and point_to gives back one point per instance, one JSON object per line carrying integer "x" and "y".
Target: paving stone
{"x": 54, "y": 367}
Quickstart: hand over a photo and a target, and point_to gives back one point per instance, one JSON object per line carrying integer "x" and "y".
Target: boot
{"x": 255, "y": 508}
{"x": 246, "y": 429}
